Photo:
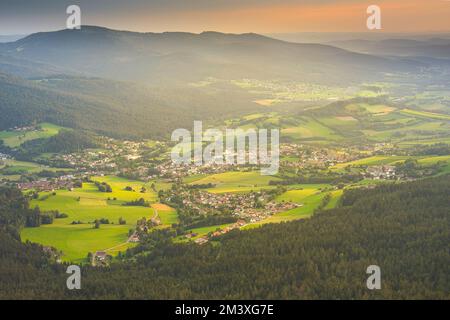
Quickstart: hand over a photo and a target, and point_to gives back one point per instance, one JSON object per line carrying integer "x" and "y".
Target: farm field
{"x": 236, "y": 181}
{"x": 309, "y": 197}
{"x": 167, "y": 214}
{"x": 76, "y": 241}
{"x": 17, "y": 167}
{"x": 371, "y": 161}
{"x": 301, "y": 192}
{"x": 426, "y": 141}
{"x": 309, "y": 204}
{"x": 87, "y": 204}
{"x": 426, "y": 114}
{"x": 392, "y": 160}
{"x": 311, "y": 129}
{"x": 201, "y": 231}
{"x": 335, "y": 197}
{"x": 416, "y": 131}
{"x": 374, "y": 122}
{"x": 378, "y": 109}
{"x": 16, "y": 138}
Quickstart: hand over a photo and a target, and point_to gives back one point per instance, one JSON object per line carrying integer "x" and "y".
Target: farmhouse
{"x": 100, "y": 256}
{"x": 201, "y": 240}
{"x": 134, "y": 238}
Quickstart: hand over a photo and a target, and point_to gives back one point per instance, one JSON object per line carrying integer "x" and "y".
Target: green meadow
{"x": 374, "y": 122}
{"x": 372, "y": 161}
{"x": 202, "y": 231}
{"x": 426, "y": 114}
{"x": 392, "y": 160}
{"x": 16, "y": 138}
{"x": 235, "y": 181}
{"x": 311, "y": 129}
{"x": 309, "y": 197}
{"x": 87, "y": 204}
{"x": 12, "y": 170}
{"x": 29, "y": 167}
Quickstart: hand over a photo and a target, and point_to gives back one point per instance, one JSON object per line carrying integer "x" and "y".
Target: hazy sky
{"x": 261, "y": 16}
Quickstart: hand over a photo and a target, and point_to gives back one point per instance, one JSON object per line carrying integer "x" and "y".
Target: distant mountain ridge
{"x": 432, "y": 48}
{"x": 180, "y": 57}
{"x": 11, "y": 38}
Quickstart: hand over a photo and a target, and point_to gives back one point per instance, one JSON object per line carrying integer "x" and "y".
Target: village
{"x": 146, "y": 161}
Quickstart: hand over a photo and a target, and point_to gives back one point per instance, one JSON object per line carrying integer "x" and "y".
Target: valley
{"x": 90, "y": 120}
{"x": 368, "y": 143}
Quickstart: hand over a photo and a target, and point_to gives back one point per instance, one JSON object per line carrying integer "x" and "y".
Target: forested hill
{"x": 114, "y": 108}
{"x": 403, "y": 228}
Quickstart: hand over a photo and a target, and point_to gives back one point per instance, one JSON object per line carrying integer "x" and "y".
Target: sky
{"x": 234, "y": 16}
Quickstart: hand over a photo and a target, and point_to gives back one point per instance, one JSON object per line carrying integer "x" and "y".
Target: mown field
{"x": 87, "y": 204}
{"x": 392, "y": 160}
{"x": 27, "y": 167}
{"x": 373, "y": 122}
{"x": 16, "y": 138}
{"x": 12, "y": 170}
{"x": 233, "y": 181}
{"x": 309, "y": 198}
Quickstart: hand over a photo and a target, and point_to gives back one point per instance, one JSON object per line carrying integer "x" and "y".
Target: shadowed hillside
{"x": 113, "y": 108}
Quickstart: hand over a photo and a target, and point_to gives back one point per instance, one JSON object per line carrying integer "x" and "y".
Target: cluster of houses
{"x": 107, "y": 159}
{"x": 204, "y": 239}
{"x": 252, "y": 206}
{"x": 4, "y": 156}
{"x": 270, "y": 208}
{"x": 143, "y": 226}
{"x": 89, "y": 160}
{"x": 24, "y": 129}
{"x": 203, "y": 202}
{"x": 307, "y": 156}
{"x": 45, "y": 185}
{"x": 381, "y": 172}
{"x": 173, "y": 171}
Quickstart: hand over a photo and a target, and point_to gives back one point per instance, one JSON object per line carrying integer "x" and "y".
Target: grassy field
{"x": 14, "y": 139}
{"x": 309, "y": 197}
{"x": 372, "y": 161}
{"x": 392, "y": 160}
{"x": 202, "y": 231}
{"x": 77, "y": 240}
{"x": 309, "y": 204}
{"x": 236, "y": 181}
{"x": 19, "y": 167}
{"x": 426, "y": 141}
{"x": 310, "y": 129}
{"x": 167, "y": 214}
{"x": 87, "y": 204}
{"x": 426, "y": 114}
{"x": 378, "y": 109}
{"x": 378, "y": 123}
{"x": 301, "y": 192}
{"x": 30, "y": 167}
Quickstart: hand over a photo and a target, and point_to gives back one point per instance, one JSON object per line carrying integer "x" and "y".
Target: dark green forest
{"x": 113, "y": 108}
{"x": 403, "y": 228}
